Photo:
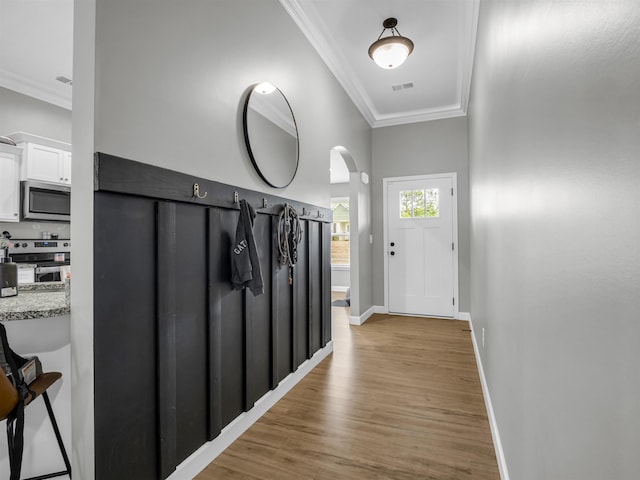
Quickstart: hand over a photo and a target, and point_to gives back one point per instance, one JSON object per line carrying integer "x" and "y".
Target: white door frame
{"x": 454, "y": 181}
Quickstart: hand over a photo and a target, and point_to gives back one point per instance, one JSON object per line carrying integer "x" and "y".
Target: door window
{"x": 419, "y": 203}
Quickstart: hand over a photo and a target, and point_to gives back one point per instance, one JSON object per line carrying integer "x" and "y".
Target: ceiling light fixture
{"x": 390, "y": 52}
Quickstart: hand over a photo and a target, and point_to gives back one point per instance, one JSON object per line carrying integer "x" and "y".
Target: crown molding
{"x": 342, "y": 71}
{"x": 34, "y": 89}
{"x": 333, "y": 59}
{"x": 419, "y": 116}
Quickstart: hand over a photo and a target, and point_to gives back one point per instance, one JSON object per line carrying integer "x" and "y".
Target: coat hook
{"x": 304, "y": 212}
{"x": 236, "y": 199}
{"x": 265, "y": 204}
{"x": 196, "y": 191}
{"x": 319, "y": 215}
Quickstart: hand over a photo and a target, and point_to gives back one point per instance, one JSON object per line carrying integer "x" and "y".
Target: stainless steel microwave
{"x": 45, "y": 202}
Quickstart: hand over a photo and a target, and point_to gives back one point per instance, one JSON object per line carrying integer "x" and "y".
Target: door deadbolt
{"x": 393, "y": 244}
{"x": 392, "y": 253}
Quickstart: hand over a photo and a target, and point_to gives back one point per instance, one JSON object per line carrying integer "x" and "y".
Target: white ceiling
{"x": 443, "y": 32}
{"x": 36, "y": 45}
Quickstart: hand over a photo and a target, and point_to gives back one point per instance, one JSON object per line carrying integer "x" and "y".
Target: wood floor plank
{"x": 400, "y": 398}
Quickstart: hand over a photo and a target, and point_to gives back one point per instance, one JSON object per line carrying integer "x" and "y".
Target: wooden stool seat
{"x": 39, "y": 388}
{"x": 40, "y": 385}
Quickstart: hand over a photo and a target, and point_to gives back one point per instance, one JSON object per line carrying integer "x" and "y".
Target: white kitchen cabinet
{"x": 66, "y": 167}
{"x": 44, "y": 159}
{"x": 10, "y": 183}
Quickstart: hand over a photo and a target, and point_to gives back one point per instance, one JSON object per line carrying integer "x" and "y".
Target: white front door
{"x": 420, "y": 245}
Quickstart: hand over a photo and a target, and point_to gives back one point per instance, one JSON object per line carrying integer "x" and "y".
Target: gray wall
{"x": 171, "y": 88}
{"x": 554, "y": 160}
{"x": 438, "y": 146}
{"x": 170, "y": 80}
{"x": 20, "y": 113}
{"x": 339, "y": 190}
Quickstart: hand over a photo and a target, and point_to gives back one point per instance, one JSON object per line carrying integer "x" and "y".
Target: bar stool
{"x": 39, "y": 388}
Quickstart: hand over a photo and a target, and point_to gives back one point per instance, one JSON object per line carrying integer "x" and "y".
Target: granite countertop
{"x": 35, "y": 300}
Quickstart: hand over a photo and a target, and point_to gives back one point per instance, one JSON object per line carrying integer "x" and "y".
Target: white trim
{"x": 341, "y": 268}
{"x": 362, "y": 318}
{"x": 463, "y": 316}
{"x": 31, "y": 88}
{"x": 83, "y": 136}
{"x": 416, "y": 315}
{"x": 336, "y": 288}
{"x": 419, "y": 116}
{"x": 22, "y": 137}
{"x": 380, "y": 309}
{"x": 385, "y": 224}
{"x": 495, "y": 434}
{"x": 202, "y": 457}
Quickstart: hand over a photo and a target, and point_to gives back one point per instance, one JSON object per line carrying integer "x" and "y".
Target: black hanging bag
{"x": 11, "y": 362}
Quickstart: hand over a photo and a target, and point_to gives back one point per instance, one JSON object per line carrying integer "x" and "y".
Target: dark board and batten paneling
{"x": 178, "y": 353}
{"x": 259, "y": 326}
{"x": 214, "y": 335}
{"x": 191, "y": 325}
{"x": 326, "y": 283}
{"x": 282, "y": 314}
{"x": 315, "y": 287}
{"x": 119, "y": 175}
{"x": 166, "y": 268}
{"x": 125, "y": 396}
{"x": 301, "y": 302}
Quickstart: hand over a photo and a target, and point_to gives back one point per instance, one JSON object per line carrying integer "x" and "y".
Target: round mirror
{"x": 271, "y": 135}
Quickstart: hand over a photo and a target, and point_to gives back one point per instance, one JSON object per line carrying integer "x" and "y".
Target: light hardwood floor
{"x": 400, "y": 398}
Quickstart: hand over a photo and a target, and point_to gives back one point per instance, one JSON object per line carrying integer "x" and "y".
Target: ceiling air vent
{"x": 401, "y": 86}
{"x": 64, "y": 80}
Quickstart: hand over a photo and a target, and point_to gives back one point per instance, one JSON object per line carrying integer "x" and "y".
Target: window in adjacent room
{"x": 340, "y": 232}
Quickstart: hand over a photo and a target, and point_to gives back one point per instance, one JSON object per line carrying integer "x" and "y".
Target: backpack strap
{"x": 15, "y": 420}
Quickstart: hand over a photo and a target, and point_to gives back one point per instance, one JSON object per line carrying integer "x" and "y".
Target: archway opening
{"x": 344, "y": 232}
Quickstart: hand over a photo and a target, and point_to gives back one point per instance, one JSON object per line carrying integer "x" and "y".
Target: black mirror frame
{"x": 247, "y": 141}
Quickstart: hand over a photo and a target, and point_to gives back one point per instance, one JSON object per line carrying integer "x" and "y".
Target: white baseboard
{"x": 380, "y": 309}
{"x": 365, "y": 316}
{"x": 202, "y": 457}
{"x": 495, "y": 434}
{"x": 335, "y": 288}
{"x": 457, "y": 315}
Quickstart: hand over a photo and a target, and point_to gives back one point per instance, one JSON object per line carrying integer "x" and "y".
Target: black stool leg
{"x": 56, "y": 430}
{"x": 47, "y": 403}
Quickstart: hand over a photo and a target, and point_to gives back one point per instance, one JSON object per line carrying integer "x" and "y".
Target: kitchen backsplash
{"x": 26, "y": 230}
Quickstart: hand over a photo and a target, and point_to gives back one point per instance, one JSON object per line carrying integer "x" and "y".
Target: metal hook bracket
{"x": 196, "y": 191}
{"x": 236, "y": 199}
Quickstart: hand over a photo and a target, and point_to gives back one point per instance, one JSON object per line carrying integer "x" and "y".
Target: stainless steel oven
{"x": 45, "y": 257}
{"x": 45, "y": 201}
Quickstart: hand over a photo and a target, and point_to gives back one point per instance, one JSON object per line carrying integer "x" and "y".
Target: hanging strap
{"x": 15, "y": 420}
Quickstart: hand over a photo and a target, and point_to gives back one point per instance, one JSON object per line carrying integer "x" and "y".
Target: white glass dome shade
{"x": 390, "y": 52}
